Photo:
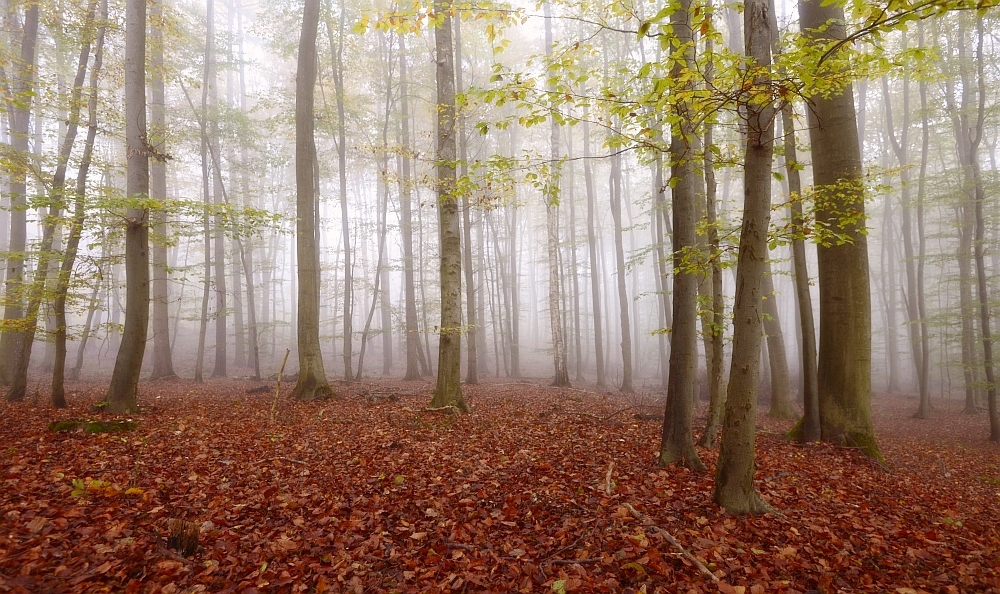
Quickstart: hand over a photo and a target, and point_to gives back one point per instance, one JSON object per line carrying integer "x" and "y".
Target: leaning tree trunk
{"x": 76, "y": 227}
{"x": 676, "y": 443}
{"x": 844, "y": 372}
{"x": 312, "y": 382}
{"x": 448, "y": 391}
{"x": 36, "y": 290}
{"x": 122, "y": 394}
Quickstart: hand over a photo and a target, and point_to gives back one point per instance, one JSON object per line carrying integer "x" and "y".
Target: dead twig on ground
{"x": 673, "y": 541}
{"x": 281, "y": 459}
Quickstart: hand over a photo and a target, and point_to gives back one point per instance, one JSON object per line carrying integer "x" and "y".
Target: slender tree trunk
{"x": 312, "y": 382}
{"x": 844, "y": 372}
{"x": 471, "y": 321}
{"x": 76, "y": 227}
{"x": 676, "y": 445}
{"x": 925, "y": 394}
{"x": 163, "y": 365}
{"x": 551, "y": 196}
{"x": 124, "y": 386}
{"x": 716, "y": 393}
{"x": 406, "y": 222}
{"x": 36, "y": 290}
{"x": 734, "y": 488}
{"x": 449, "y": 388}
{"x": 781, "y": 401}
{"x": 218, "y": 236}
{"x": 595, "y": 276}
{"x": 623, "y": 302}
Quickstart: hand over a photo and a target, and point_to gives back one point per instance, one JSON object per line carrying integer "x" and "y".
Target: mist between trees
{"x": 721, "y": 204}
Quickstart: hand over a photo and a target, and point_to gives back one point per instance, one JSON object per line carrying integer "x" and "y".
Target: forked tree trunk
{"x": 123, "y": 391}
{"x": 312, "y": 381}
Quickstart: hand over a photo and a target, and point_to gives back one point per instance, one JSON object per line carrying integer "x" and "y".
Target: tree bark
{"x": 412, "y": 337}
{"x": 163, "y": 365}
{"x": 19, "y": 116}
{"x": 734, "y": 488}
{"x": 676, "y": 444}
{"x": 595, "y": 276}
{"x": 844, "y": 372}
{"x": 448, "y": 391}
{"x": 122, "y": 393}
{"x": 312, "y": 381}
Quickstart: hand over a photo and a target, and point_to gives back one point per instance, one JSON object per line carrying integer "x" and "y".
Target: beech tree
{"x": 124, "y": 386}
{"x": 312, "y": 381}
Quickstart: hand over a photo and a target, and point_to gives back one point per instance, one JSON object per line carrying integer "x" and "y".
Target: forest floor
{"x": 531, "y": 492}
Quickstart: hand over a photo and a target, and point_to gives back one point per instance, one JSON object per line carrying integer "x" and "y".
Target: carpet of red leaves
{"x": 350, "y": 495}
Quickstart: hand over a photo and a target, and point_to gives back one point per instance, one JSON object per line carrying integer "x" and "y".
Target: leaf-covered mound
{"x": 530, "y": 492}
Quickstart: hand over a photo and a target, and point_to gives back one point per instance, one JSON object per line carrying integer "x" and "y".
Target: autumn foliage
{"x": 531, "y": 492}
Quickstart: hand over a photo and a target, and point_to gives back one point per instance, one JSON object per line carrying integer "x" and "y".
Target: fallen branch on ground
{"x": 281, "y": 459}
{"x": 673, "y": 541}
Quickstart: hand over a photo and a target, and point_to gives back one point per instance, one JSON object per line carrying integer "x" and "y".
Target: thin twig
{"x": 607, "y": 478}
{"x": 673, "y": 541}
{"x": 277, "y": 390}
{"x": 283, "y": 459}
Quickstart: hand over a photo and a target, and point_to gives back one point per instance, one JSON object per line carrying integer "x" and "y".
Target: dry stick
{"x": 277, "y": 390}
{"x": 670, "y": 538}
{"x": 283, "y": 459}
{"x": 607, "y": 478}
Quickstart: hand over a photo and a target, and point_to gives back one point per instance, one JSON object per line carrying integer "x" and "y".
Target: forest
{"x": 614, "y": 296}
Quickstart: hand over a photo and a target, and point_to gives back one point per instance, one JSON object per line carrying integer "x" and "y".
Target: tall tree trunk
{"x": 247, "y": 256}
{"x": 338, "y": 81}
{"x": 312, "y": 382}
{"x": 551, "y": 195}
{"x": 471, "y": 321}
{"x": 448, "y": 391}
{"x": 219, "y": 235}
{"x": 36, "y": 290}
{"x": 163, "y": 365}
{"x": 19, "y": 116}
{"x": 925, "y": 393}
{"x": 844, "y": 372}
{"x": 623, "y": 302}
{"x": 412, "y": 337}
{"x": 76, "y": 227}
{"x": 716, "y": 394}
{"x": 676, "y": 444}
{"x": 124, "y": 386}
{"x": 734, "y": 488}
{"x": 595, "y": 276}
{"x": 781, "y": 402}
{"x": 199, "y": 365}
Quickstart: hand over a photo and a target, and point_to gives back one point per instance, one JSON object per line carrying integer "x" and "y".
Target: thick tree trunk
{"x": 124, "y": 386}
{"x": 844, "y": 372}
{"x": 676, "y": 443}
{"x": 312, "y": 382}
{"x": 19, "y": 116}
{"x": 734, "y": 488}
{"x": 448, "y": 391}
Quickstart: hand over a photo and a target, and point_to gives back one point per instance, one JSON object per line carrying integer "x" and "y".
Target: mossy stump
{"x": 115, "y": 426}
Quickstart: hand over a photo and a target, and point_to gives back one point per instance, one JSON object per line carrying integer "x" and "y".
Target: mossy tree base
{"x": 116, "y": 426}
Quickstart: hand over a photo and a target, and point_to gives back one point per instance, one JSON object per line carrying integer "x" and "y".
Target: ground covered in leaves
{"x": 531, "y": 492}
